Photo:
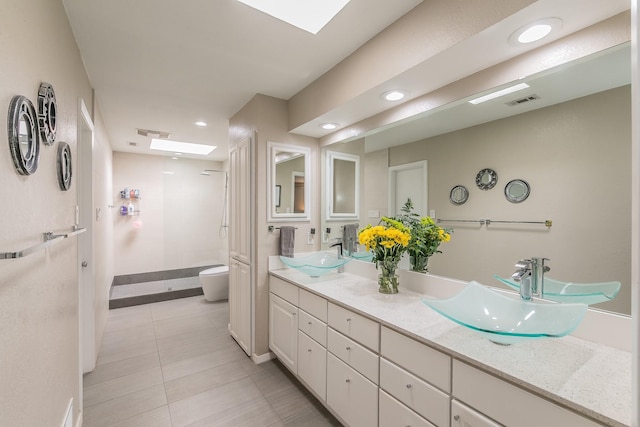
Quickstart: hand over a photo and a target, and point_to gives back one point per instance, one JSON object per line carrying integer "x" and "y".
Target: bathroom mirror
{"x": 517, "y": 190}
{"x": 578, "y": 123}
{"x": 22, "y": 131}
{"x": 289, "y": 189}
{"x": 342, "y": 186}
{"x": 47, "y": 111}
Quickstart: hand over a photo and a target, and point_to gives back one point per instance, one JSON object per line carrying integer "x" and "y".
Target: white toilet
{"x": 215, "y": 283}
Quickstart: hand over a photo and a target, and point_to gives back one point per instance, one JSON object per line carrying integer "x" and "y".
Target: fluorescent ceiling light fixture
{"x": 535, "y": 31}
{"x": 200, "y": 123}
{"x": 499, "y": 93}
{"x": 329, "y": 126}
{"x": 309, "y": 15}
{"x": 394, "y": 95}
{"x": 182, "y": 147}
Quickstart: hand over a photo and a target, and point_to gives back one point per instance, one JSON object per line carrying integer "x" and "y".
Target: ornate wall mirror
{"x": 47, "y": 113}
{"x": 22, "y": 130}
{"x": 343, "y": 186}
{"x": 289, "y": 189}
{"x": 64, "y": 166}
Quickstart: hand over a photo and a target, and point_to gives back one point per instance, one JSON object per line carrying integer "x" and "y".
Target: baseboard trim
{"x": 258, "y": 359}
{"x": 150, "y": 298}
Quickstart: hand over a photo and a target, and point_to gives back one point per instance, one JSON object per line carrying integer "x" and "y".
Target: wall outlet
{"x": 432, "y": 213}
{"x": 310, "y": 238}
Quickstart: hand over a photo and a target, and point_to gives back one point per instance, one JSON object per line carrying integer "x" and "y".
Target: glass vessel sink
{"x": 362, "y": 255}
{"x": 587, "y": 293}
{"x": 317, "y": 264}
{"x": 506, "y": 320}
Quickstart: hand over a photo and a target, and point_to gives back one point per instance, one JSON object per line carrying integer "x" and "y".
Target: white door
{"x": 240, "y": 304}
{"x": 283, "y": 331}
{"x": 408, "y": 181}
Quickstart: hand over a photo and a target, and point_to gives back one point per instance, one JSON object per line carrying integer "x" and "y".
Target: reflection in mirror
{"x": 343, "y": 185}
{"x": 577, "y": 128}
{"x": 289, "y": 196}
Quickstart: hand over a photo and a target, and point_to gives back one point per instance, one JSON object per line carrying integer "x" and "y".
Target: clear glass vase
{"x": 388, "y": 282}
{"x": 419, "y": 263}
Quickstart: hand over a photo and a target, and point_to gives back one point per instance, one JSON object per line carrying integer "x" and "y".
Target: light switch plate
{"x": 373, "y": 214}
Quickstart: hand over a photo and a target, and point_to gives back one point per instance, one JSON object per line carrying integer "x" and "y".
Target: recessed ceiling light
{"x": 329, "y": 126}
{"x": 182, "y": 147}
{"x": 309, "y": 15}
{"x": 499, "y": 93}
{"x": 394, "y": 95}
{"x": 174, "y": 158}
{"x": 200, "y": 123}
{"x": 535, "y": 31}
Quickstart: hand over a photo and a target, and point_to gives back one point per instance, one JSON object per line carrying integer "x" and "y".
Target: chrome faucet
{"x": 339, "y": 245}
{"x": 530, "y": 274}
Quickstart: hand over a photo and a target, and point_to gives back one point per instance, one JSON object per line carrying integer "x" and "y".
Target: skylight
{"x": 309, "y": 15}
{"x": 180, "y": 147}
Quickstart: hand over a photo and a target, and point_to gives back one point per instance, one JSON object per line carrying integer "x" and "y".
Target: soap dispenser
{"x": 130, "y": 209}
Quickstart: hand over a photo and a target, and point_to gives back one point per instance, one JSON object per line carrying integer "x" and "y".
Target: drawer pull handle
{"x": 293, "y": 314}
{"x": 309, "y": 323}
{"x": 309, "y": 350}
{"x": 347, "y": 380}
{"x": 348, "y": 319}
{"x": 408, "y": 385}
{"x": 348, "y": 348}
{"x": 456, "y": 417}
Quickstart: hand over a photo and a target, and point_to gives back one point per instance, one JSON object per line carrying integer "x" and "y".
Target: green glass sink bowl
{"x": 506, "y": 320}
{"x": 587, "y": 293}
{"x": 362, "y": 256}
{"x": 317, "y": 264}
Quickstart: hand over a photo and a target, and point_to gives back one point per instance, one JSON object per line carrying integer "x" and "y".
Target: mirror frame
{"x": 21, "y": 108}
{"x": 65, "y": 171}
{"x": 273, "y": 149}
{"x": 330, "y": 214}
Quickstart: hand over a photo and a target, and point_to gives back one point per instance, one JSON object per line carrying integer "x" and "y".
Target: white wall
{"x": 179, "y": 218}
{"x": 39, "y": 342}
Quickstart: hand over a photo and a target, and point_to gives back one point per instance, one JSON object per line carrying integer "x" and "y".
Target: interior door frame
{"x": 84, "y": 218}
{"x": 393, "y": 176}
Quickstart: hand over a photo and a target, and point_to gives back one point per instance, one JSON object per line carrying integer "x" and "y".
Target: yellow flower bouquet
{"x": 388, "y": 241}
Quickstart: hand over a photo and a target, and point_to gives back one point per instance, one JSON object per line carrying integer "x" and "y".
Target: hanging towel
{"x": 350, "y": 237}
{"x": 287, "y": 240}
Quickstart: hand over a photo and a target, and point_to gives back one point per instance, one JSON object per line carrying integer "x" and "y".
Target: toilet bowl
{"x": 215, "y": 283}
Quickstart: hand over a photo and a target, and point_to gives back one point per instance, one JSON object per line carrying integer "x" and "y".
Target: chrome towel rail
{"x": 271, "y": 228}
{"x": 49, "y": 238}
{"x": 487, "y": 222}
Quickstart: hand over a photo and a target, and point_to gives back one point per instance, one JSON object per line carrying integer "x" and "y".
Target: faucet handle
{"x": 523, "y": 263}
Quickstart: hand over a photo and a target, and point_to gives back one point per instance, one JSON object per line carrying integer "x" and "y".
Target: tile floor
{"x": 173, "y": 364}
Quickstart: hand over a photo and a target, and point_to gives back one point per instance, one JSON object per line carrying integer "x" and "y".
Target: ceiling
{"x": 161, "y": 65}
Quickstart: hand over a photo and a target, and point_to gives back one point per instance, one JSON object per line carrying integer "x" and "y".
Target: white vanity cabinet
{"x": 283, "y": 322}
{"x": 508, "y": 404}
{"x": 416, "y": 375}
{"x": 312, "y": 342}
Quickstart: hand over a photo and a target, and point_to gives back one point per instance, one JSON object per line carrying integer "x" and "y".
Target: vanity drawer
{"x": 423, "y": 398}
{"x": 417, "y": 358}
{"x": 312, "y": 365}
{"x": 505, "y": 402}
{"x": 355, "y": 326}
{"x": 313, "y": 304}
{"x": 353, "y": 354}
{"x": 284, "y": 290}
{"x": 395, "y": 414}
{"x": 350, "y": 395}
{"x": 313, "y": 327}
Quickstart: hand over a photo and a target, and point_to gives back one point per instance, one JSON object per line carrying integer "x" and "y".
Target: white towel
{"x": 287, "y": 240}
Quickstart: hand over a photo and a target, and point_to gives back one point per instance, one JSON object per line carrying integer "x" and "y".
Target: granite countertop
{"x": 591, "y": 378}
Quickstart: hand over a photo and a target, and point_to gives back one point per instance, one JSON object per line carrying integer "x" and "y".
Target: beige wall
{"x": 179, "y": 218}
{"x": 39, "y": 294}
{"x": 267, "y": 118}
{"x": 575, "y": 156}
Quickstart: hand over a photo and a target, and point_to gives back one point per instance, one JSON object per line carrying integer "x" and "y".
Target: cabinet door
{"x": 353, "y": 397}
{"x": 283, "y": 331}
{"x": 240, "y": 208}
{"x": 312, "y": 364}
{"x": 240, "y": 304}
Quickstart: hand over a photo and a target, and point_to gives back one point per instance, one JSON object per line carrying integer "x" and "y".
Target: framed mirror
{"x": 289, "y": 189}
{"x": 486, "y": 179}
{"x": 22, "y": 129}
{"x": 517, "y": 190}
{"x": 64, "y": 166}
{"x": 47, "y": 111}
{"x": 459, "y": 195}
{"x": 342, "y": 186}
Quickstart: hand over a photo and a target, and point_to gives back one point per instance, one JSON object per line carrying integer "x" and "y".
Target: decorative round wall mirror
{"x": 64, "y": 166}
{"x": 47, "y": 113}
{"x": 486, "y": 179}
{"x": 459, "y": 195}
{"x": 517, "y": 190}
{"x": 23, "y": 135}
